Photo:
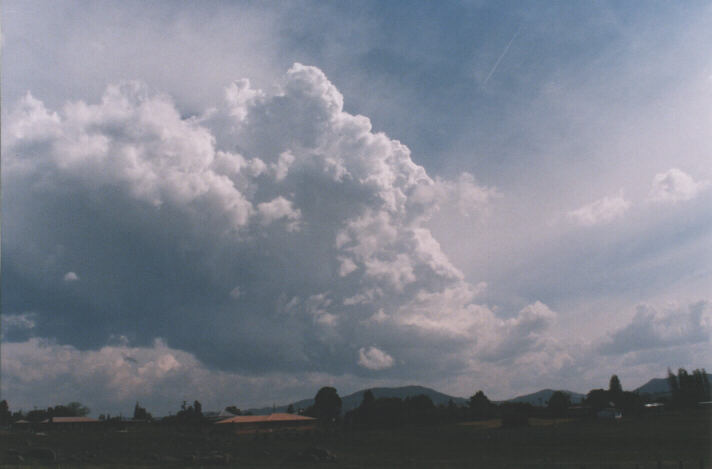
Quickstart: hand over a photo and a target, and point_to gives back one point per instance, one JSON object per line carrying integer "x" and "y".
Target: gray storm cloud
{"x": 271, "y": 238}
{"x": 262, "y": 234}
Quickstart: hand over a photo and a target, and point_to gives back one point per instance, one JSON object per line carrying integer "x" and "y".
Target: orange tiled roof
{"x": 280, "y": 417}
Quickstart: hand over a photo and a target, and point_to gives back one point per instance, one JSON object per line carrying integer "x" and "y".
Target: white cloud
{"x": 652, "y": 329}
{"x": 236, "y": 292}
{"x": 71, "y": 277}
{"x": 675, "y": 185}
{"x": 133, "y": 139}
{"x": 601, "y": 211}
{"x": 277, "y": 209}
{"x": 374, "y": 358}
{"x": 22, "y": 321}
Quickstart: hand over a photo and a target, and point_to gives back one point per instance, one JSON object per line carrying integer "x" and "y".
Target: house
{"x": 267, "y": 423}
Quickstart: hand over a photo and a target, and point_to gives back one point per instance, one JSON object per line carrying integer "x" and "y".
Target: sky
{"x": 241, "y": 202}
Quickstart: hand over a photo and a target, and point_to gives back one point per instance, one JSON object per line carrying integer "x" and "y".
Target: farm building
{"x": 71, "y": 423}
{"x": 268, "y": 423}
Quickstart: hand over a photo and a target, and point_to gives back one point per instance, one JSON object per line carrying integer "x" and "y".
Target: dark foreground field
{"x": 674, "y": 439}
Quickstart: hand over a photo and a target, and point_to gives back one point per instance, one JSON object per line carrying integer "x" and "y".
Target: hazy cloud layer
{"x": 115, "y": 376}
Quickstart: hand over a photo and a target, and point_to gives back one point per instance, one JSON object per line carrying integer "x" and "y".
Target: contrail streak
{"x": 496, "y": 64}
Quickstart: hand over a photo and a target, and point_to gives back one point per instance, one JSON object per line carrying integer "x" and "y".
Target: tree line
{"x": 686, "y": 390}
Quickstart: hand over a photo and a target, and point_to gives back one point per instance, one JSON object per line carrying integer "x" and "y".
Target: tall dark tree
{"x": 673, "y": 384}
{"x": 327, "y": 404}
{"x": 290, "y": 409}
{"x": 689, "y": 389}
{"x": 5, "y": 414}
{"x": 702, "y": 385}
{"x": 479, "y": 405}
{"x": 614, "y": 386}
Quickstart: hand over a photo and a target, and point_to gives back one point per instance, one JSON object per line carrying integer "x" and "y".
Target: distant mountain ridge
{"x": 660, "y": 386}
{"x": 353, "y": 400}
{"x": 655, "y": 387}
{"x": 541, "y": 398}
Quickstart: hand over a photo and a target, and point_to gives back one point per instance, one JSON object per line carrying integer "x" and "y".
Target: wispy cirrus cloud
{"x": 601, "y": 211}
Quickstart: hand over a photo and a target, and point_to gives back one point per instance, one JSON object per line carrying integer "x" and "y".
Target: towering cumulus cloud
{"x": 272, "y": 233}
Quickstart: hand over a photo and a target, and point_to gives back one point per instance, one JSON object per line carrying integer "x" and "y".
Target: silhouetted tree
{"x": 140, "y": 413}
{"x": 5, "y": 415}
{"x": 190, "y": 413}
{"x": 630, "y": 403}
{"x": 597, "y": 399}
{"x": 387, "y": 412}
{"x": 672, "y": 382}
{"x": 38, "y": 415}
{"x": 479, "y": 405}
{"x": 419, "y": 409}
{"x": 614, "y": 386}
{"x": 689, "y": 389}
{"x": 702, "y": 385}
{"x": 559, "y": 403}
{"x": 290, "y": 409}
{"x": 327, "y": 404}
{"x": 233, "y": 410}
{"x": 421, "y": 402}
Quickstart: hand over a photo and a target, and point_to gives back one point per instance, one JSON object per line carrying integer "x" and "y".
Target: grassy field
{"x": 669, "y": 438}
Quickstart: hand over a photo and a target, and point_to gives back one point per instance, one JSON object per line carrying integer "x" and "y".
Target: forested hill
{"x": 541, "y": 398}
{"x": 353, "y": 400}
{"x": 659, "y": 386}
{"x": 656, "y": 386}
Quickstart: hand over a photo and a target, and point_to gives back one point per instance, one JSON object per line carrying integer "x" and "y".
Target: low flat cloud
{"x": 113, "y": 377}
